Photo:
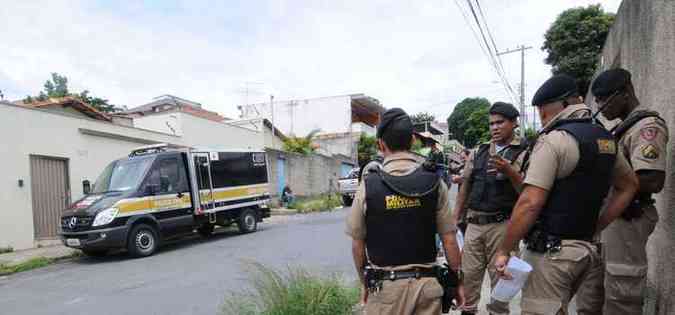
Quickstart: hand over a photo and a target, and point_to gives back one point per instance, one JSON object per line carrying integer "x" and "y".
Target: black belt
{"x": 482, "y": 219}
{"x": 381, "y": 274}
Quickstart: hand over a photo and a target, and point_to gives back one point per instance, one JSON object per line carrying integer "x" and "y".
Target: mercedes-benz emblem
{"x": 72, "y": 223}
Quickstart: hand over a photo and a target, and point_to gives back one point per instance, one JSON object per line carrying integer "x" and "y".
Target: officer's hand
{"x": 501, "y": 261}
{"x": 456, "y": 179}
{"x": 498, "y": 163}
{"x": 459, "y": 298}
{"x": 364, "y": 295}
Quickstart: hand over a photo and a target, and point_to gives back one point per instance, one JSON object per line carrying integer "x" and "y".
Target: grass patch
{"x": 31, "y": 264}
{"x": 324, "y": 202}
{"x": 297, "y": 292}
{"x": 34, "y": 263}
{"x": 7, "y": 249}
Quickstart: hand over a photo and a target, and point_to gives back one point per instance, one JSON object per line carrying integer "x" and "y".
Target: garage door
{"x": 51, "y": 193}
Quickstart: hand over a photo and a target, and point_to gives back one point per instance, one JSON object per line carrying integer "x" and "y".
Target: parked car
{"x": 348, "y": 185}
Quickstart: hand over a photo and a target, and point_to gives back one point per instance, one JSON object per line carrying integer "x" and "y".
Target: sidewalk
{"x": 49, "y": 252}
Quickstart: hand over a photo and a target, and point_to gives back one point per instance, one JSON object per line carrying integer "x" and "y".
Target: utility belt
{"x": 635, "y": 209}
{"x": 448, "y": 279}
{"x": 542, "y": 242}
{"x": 483, "y": 219}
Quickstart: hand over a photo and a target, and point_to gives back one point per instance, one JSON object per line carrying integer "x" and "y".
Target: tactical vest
{"x": 488, "y": 192}
{"x": 401, "y": 217}
{"x": 573, "y": 205}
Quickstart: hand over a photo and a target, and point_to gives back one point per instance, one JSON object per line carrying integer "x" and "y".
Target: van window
{"x": 169, "y": 176}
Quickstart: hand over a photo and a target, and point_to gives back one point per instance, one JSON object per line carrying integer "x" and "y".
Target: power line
{"x": 491, "y": 50}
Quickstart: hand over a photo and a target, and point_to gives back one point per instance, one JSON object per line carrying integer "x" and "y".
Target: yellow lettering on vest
{"x": 393, "y": 202}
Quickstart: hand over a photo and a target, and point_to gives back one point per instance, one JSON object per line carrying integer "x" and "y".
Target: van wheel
{"x": 205, "y": 230}
{"x": 248, "y": 221}
{"x": 143, "y": 241}
{"x": 95, "y": 253}
{"x": 347, "y": 201}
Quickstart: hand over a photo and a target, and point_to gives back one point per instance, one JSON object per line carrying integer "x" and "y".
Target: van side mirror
{"x": 86, "y": 187}
{"x": 151, "y": 189}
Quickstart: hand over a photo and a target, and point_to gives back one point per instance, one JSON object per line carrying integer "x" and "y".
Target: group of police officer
{"x": 579, "y": 196}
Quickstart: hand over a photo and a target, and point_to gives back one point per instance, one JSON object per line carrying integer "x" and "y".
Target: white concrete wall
{"x": 330, "y": 114}
{"x": 158, "y": 122}
{"x": 29, "y": 131}
{"x": 203, "y": 132}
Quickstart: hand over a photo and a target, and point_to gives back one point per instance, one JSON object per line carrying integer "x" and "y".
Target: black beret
{"x": 556, "y": 88}
{"x": 505, "y": 109}
{"x": 395, "y": 120}
{"x": 610, "y": 81}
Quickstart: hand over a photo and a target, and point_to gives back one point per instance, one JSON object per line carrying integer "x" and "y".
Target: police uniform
{"x": 643, "y": 138}
{"x": 397, "y": 212}
{"x": 574, "y": 160}
{"x": 490, "y": 201}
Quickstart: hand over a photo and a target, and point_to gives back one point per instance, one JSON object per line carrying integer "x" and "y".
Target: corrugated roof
{"x": 69, "y": 101}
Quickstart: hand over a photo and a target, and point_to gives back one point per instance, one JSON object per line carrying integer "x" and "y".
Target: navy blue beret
{"x": 395, "y": 120}
{"x": 505, "y": 109}
{"x": 610, "y": 81}
{"x": 558, "y": 87}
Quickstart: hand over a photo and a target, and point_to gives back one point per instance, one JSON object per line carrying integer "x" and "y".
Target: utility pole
{"x": 272, "y": 114}
{"x": 523, "y": 112}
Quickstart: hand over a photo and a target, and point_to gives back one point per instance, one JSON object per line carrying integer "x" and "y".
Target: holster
{"x": 635, "y": 209}
{"x": 540, "y": 241}
{"x": 449, "y": 280}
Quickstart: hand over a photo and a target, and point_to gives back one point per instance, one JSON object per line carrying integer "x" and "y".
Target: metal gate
{"x": 51, "y": 193}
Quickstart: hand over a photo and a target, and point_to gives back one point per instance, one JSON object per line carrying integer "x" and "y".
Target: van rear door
{"x": 204, "y": 182}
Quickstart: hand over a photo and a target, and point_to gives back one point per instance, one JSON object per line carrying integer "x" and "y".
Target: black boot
{"x": 468, "y": 313}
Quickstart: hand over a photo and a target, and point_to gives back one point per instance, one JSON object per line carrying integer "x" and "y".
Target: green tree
{"x": 458, "y": 122}
{"x": 57, "y": 87}
{"x": 422, "y": 117}
{"x": 367, "y": 149}
{"x": 301, "y": 145}
{"x": 530, "y": 134}
{"x": 574, "y": 42}
{"x": 478, "y": 130}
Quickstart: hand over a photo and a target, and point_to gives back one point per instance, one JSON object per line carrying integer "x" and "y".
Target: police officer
{"x": 569, "y": 172}
{"x": 489, "y": 192}
{"x": 392, "y": 223}
{"x": 642, "y": 137}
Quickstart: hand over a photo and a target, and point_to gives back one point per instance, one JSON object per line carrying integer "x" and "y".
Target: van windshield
{"x": 123, "y": 175}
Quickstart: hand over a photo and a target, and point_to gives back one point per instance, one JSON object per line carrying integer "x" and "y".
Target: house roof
{"x": 175, "y": 102}
{"x": 366, "y": 109}
{"x": 69, "y": 101}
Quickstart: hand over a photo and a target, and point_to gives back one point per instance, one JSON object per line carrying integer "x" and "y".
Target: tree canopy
{"x": 57, "y": 87}
{"x": 422, "y": 117}
{"x": 460, "y": 125}
{"x": 574, "y": 42}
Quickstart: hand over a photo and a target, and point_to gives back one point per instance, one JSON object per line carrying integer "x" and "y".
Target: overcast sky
{"x": 419, "y": 55}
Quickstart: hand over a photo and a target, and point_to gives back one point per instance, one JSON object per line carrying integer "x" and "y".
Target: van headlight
{"x": 104, "y": 217}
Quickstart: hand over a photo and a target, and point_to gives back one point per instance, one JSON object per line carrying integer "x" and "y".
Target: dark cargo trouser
{"x": 626, "y": 262}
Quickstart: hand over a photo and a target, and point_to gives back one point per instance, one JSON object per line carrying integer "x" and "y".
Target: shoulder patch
{"x": 649, "y": 133}
{"x": 650, "y": 152}
{"x": 606, "y": 146}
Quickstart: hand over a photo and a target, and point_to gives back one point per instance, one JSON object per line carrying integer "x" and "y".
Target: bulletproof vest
{"x": 490, "y": 193}
{"x": 401, "y": 217}
{"x": 625, "y": 125}
{"x": 573, "y": 205}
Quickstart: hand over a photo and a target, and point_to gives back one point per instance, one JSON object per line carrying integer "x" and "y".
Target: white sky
{"x": 419, "y": 55}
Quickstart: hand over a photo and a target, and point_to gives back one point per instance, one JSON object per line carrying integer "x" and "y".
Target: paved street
{"x": 189, "y": 276}
{"x": 186, "y": 277}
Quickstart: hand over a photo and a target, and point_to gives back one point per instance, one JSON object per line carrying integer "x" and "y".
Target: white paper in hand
{"x": 505, "y": 290}
{"x": 460, "y": 239}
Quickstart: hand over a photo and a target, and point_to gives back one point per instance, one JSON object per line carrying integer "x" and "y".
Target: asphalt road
{"x": 190, "y": 276}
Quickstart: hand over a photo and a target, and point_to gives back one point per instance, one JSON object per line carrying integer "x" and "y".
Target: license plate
{"x": 73, "y": 242}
